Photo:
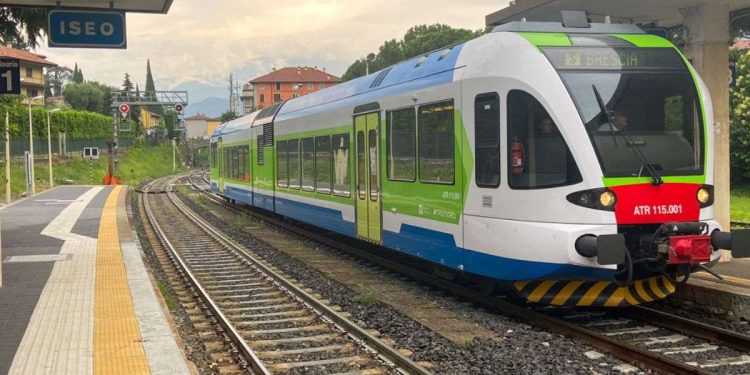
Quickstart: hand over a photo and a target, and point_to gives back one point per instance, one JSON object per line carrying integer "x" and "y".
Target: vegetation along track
{"x": 276, "y": 326}
{"x": 668, "y": 343}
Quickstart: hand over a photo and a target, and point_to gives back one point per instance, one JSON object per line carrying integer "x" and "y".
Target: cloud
{"x": 204, "y": 41}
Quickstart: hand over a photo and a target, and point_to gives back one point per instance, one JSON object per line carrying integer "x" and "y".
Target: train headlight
{"x": 598, "y": 199}
{"x": 705, "y": 195}
{"x": 607, "y": 199}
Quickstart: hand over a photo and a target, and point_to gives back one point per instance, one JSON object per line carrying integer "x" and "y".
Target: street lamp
{"x": 31, "y": 144}
{"x": 49, "y": 147}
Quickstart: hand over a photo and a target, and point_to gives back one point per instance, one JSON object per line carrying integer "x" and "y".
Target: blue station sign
{"x": 10, "y": 76}
{"x": 87, "y": 29}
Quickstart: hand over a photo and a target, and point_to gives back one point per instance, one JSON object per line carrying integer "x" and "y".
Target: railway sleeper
{"x": 285, "y": 353}
{"x": 353, "y": 360}
{"x": 233, "y": 308}
{"x": 251, "y": 317}
{"x": 243, "y": 324}
{"x": 306, "y": 340}
{"x": 295, "y": 330}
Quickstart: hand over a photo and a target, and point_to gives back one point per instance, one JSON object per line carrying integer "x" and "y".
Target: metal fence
{"x": 71, "y": 146}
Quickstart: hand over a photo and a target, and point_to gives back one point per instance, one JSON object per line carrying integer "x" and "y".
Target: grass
{"x": 365, "y": 295}
{"x": 137, "y": 165}
{"x": 168, "y": 299}
{"x": 740, "y": 205}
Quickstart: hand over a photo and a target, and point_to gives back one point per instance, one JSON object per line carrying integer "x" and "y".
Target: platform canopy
{"x": 663, "y": 13}
{"x": 136, "y": 6}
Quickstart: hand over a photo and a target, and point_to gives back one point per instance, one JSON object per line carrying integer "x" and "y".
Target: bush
{"x": 76, "y": 124}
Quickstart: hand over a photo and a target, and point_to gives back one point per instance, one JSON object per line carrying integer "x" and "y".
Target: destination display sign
{"x": 626, "y": 58}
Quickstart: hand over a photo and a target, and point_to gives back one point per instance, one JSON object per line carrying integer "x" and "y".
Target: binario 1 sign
{"x": 87, "y": 29}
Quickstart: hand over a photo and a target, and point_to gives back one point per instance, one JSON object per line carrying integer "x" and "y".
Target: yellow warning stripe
{"x": 642, "y": 292}
{"x": 668, "y": 284}
{"x": 117, "y": 339}
{"x": 540, "y": 291}
{"x": 655, "y": 288}
{"x": 617, "y": 296}
{"x": 565, "y": 293}
{"x": 593, "y": 293}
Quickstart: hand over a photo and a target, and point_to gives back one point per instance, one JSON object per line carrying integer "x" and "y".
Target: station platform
{"x": 729, "y": 297}
{"x": 76, "y": 297}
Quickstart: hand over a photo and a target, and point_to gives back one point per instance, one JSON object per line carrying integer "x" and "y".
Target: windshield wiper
{"x": 655, "y": 177}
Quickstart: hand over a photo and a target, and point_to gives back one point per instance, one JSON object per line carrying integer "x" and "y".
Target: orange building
{"x": 287, "y": 83}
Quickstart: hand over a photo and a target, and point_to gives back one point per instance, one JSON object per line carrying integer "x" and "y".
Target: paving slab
{"x": 52, "y": 267}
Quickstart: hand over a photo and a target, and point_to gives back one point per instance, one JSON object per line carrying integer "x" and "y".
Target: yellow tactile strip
{"x": 117, "y": 339}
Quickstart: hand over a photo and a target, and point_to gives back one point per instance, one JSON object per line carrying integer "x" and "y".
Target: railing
{"x": 72, "y": 146}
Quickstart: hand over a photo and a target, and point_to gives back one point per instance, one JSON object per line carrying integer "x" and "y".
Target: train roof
{"x": 238, "y": 124}
{"x": 368, "y": 88}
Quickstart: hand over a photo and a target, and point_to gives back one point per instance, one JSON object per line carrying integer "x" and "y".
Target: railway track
{"x": 276, "y": 326}
{"x": 656, "y": 340}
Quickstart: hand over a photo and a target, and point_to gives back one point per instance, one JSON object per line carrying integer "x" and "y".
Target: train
{"x": 569, "y": 164}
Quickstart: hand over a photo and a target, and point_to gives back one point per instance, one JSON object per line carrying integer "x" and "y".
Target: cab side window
{"x": 537, "y": 154}
{"x": 487, "y": 140}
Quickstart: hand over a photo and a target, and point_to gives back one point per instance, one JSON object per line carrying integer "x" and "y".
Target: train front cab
{"x": 613, "y": 162}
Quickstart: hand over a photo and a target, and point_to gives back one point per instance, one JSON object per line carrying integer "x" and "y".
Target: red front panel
{"x": 649, "y": 204}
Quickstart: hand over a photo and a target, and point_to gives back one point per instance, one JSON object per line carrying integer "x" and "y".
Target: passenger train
{"x": 573, "y": 164}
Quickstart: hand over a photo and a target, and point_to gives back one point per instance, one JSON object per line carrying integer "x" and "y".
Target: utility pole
{"x": 7, "y": 158}
{"x": 174, "y": 154}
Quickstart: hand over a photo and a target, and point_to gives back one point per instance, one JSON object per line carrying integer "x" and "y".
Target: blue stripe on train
{"x": 438, "y": 247}
{"x": 238, "y": 194}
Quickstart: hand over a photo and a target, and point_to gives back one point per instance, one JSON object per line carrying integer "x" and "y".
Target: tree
{"x": 740, "y": 119}
{"x": 127, "y": 84}
{"x": 170, "y": 122}
{"x": 77, "y": 74}
{"x": 151, "y": 88}
{"x": 90, "y": 96}
{"x": 55, "y": 78}
{"x": 417, "y": 40}
{"x": 22, "y": 27}
{"x": 228, "y": 116}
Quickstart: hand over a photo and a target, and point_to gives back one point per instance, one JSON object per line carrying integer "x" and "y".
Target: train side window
{"x": 308, "y": 164}
{"x": 282, "y": 165}
{"x": 214, "y": 149}
{"x": 294, "y": 169}
{"x": 436, "y": 143}
{"x": 323, "y": 164}
{"x": 537, "y": 154}
{"x": 341, "y": 184}
{"x": 401, "y": 144}
{"x": 487, "y": 140}
{"x": 246, "y": 158}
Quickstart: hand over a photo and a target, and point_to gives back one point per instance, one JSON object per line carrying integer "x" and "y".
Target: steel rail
{"x": 254, "y": 362}
{"x": 691, "y": 327}
{"x": 384, "y": 351}
{"x": 619, "y": 349}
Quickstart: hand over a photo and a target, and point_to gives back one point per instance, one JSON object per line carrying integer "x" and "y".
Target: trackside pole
{"x": 7, "y": 160}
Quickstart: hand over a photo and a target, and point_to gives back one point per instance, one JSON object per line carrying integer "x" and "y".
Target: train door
{"x": 222, "y": 164}
{"x": 368, "y": 176}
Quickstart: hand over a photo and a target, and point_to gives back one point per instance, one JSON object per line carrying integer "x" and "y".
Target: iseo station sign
{"x": 87, "y": 29}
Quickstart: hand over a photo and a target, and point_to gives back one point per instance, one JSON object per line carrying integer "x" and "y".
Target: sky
{"x": 203, "y": 41}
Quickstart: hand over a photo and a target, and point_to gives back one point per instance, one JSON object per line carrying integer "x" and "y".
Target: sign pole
{"x": 7, "y": 158}
{"x": 49, "y": 152}
{"x": 31, "y": 151}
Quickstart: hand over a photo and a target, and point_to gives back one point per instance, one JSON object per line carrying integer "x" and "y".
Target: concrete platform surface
{"x": 76, "y": 297}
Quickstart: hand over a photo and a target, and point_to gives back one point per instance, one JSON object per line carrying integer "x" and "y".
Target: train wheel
{"x": 443, "y": 272}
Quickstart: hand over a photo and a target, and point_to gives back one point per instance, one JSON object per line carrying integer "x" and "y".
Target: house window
{"x": 295, "y": 95}
{"x": 29, "y": 72}
{"x": 276, "y": 98}
{"x": 262, "y": 98}
{"x": 278, "y": 86}
{"x": 262, "y": 86}
{"x": 321, "y": 86}
{"x": 310, "y": 86}
{"x": 33, "y": 93}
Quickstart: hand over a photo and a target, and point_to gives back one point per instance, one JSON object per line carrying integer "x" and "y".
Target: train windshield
{"x": 653, "y": 106}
